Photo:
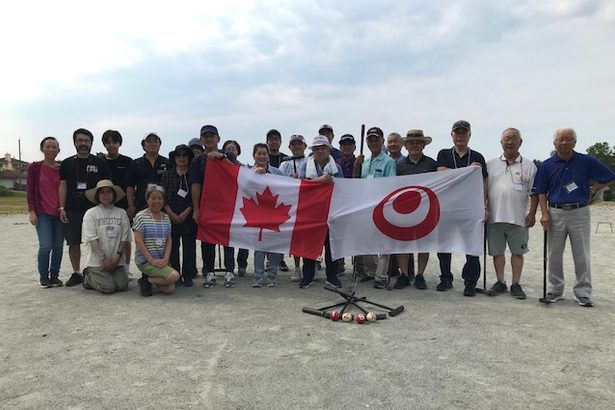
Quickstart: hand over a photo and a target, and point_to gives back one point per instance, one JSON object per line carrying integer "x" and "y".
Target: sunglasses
{"x": 181, "y": 154}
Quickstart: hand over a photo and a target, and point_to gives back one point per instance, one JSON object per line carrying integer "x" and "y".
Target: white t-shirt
{"x": 109, "y": 226}
{"x": 509, "y": 187}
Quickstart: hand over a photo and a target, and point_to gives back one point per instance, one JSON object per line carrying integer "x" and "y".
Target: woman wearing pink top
{"x": 43, "y": 203}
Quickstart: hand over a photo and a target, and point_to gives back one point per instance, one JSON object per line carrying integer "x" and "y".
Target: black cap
{"x": 273, "y": 132}
{"x": 325, "y": 127}
{"x": 346, "y": 138}
{"x": 209, "y": 129}
{"x": 461, "y": 124}
{"x": 374, "y": 131}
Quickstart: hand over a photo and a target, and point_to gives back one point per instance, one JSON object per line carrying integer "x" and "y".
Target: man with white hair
{"x": 394, "y": 147}
{"x": 511, "y": 177}
{"x": 563, "y": 187}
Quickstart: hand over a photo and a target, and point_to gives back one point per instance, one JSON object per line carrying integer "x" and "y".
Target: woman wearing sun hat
{"x": 178, "y": 206}
{"x": 105, "y": 233}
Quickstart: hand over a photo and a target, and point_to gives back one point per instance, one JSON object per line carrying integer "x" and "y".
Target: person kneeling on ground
{"x": 105, "y": 234}
{"x": 152, "y": 230}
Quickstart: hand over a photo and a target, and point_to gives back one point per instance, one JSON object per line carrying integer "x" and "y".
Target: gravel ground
{"x": 245, "y": 348}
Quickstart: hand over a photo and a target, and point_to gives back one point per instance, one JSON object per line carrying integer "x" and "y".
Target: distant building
{"x": 13, "y": 172}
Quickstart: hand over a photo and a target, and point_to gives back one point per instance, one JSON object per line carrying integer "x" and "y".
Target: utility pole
{"x": 19, "y": 165}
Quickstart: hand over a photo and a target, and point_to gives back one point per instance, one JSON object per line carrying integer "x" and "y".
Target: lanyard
{"x": 455, "y": 160}
{"x": 509, "y": 170}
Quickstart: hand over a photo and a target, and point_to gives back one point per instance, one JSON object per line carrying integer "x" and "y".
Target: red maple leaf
{"x": 263, "y": 213}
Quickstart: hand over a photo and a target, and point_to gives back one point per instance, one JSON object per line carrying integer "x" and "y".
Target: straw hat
{"x": 90, "y": 194}
{"x": 417, "y": 135}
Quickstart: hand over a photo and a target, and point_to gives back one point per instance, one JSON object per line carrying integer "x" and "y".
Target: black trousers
{"x": 470, "y": 272}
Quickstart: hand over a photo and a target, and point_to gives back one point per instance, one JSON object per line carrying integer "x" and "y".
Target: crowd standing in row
{"x": 102, "y": 202}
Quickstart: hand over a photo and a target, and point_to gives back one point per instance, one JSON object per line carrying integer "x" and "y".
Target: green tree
{"x": 606, "y": 154}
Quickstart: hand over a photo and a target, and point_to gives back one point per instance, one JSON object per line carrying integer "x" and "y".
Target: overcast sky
{"x": 248, "y": 66}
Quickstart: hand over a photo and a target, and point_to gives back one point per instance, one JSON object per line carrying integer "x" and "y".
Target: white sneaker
{"x": 210, "y": 280}
{"x": 229, "y": 280}
{"x": 296, "y": 276}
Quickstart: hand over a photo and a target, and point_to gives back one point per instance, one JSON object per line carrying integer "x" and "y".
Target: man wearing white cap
{"x": 320, "y": 167}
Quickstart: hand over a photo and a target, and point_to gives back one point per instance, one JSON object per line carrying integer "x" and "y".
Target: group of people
{"x": 102, "y": 202}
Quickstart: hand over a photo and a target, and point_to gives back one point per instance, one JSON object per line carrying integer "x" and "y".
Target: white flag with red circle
{"x": 431, "y": 212}
{"x": 263, "y": 212}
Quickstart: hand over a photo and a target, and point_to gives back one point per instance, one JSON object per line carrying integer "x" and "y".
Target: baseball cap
{"x": 195, "y": 142}
{"x": 296, "y": 137}
{"x": 461, "y": 124}
{"x": 150, "y": 135}
{"x": 374, "y": 132}
{"x": 325, "y": 127}
{"x": 346, "y": 138}
{"x": 319, "y": 141}
{"x": 209, "y": 129}
{"x": 273, "y": 132}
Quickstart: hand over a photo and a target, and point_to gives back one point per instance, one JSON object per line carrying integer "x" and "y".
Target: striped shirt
{"x": 155, "y": 233}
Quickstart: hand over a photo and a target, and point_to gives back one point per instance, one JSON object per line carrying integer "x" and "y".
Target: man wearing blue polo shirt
{"x": 564, "y": 191}
{"x": 458, "y": 157}
{"x": 377, "y": 166}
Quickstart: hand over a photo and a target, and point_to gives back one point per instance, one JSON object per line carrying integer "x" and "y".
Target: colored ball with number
{"x": 334, "y": 315}
{"x": 360, "y": 318}
{"x": 347, "y": 317}
{"x": 371, "y": 316}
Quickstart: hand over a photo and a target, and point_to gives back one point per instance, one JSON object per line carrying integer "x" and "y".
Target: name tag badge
{"x": 111, "y": 232}
{"x": 82, "y": 185}
{"x": 181, "y": 192}
{"x": 571, "y": 186}
{"x": 159, "y": 241}
{"x": 518, "y": 187}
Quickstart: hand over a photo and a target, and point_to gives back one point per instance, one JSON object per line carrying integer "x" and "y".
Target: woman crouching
{"x": 105, "y": 233}
{"x": 152, "y": 230}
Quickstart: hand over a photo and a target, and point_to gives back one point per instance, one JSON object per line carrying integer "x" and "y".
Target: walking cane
{"x": 544, "y": 299}
{"x": 484, "y": 289}
{"x": 354, "y": 267}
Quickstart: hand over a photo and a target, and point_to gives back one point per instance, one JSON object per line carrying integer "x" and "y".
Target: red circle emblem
{"x": 404, "y": 201}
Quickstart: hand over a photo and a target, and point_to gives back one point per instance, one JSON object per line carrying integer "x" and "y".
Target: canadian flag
{"x": 431, "y": 212}
{"x": 264, "y": 212}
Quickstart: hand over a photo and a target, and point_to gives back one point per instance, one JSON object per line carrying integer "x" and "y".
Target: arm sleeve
{"x": 540, "y": 180}
{"x": 88, "y": 230}
{"x": 600, "y": 172}
{"x": 137, "y": 223}
{"x": 126, "y": 231}
{"x": 32, "y": 185}
{"x": 130, "y": 175}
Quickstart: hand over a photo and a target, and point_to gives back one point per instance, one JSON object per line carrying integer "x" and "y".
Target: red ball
{"x": 334, "y": 315}
{"x": 360, "y": 318}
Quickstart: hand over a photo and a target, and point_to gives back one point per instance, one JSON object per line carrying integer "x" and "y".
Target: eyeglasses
{"x": 565, "y": 140}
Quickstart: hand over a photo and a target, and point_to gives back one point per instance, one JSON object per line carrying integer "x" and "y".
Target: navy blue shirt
{"x": 450, "y": 159}
{"x": 346, "y": 166}
{"x": 197, "y": 167}
{"x": 141, "y": 173}
{"x": 555, "y": 174}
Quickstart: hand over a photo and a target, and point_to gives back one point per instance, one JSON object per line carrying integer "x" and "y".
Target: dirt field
{"x": 247, "y": 348}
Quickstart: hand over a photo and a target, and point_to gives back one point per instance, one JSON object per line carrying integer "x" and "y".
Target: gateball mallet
{"x": 544, "y": 299}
